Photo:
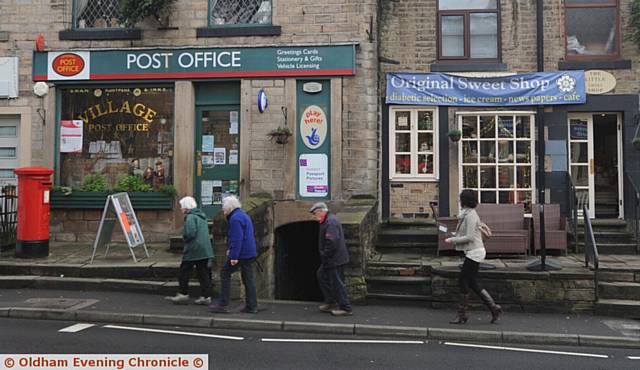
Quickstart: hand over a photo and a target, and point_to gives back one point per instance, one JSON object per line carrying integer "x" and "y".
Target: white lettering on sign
{"x": 198, "y": 59}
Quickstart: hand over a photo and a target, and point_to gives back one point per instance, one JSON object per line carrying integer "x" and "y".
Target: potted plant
{"x": 454, "y": 134}
{"x": 280, "y": 134}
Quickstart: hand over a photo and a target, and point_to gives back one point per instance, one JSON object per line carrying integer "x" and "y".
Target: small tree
{"x": 134, "y": 11}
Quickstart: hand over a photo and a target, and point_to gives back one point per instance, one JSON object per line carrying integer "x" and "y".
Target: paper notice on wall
{"x": 233, "y": 157}
{"x": 207, "y": 143}
{"x": 233, "y": 128}
{"x": 219, "y": 156}
{"x": 217, "y": 191}
{"x": 207, "y": 161}
{"x": 314, "y": 175}
{"x": 71, "y": 136}
{"x": 206, "y": 192}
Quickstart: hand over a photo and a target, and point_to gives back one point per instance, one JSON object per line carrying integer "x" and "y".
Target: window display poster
{"x": 219, "y": 156}
{"x": 207, "y": 160}
{"x": 217, "y": 192}
{"x": 71, "y": 136}
{"x": 206, "y": 192}
{"x": 207, "y": 143}
{"x": 233, "y": 128}
{"x": 313, "y": 175}
{"x": 233, "y": 156}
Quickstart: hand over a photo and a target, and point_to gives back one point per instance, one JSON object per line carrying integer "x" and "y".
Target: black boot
{"x": 495, "y": 309}
{"x": 462, "y": 317}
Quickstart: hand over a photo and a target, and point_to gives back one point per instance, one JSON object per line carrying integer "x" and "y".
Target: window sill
{"x": 239, "y": 31}
{"x": 594, "y": 64}
{"x": 106, "y": 34}
{"x": 468, "y": 67}
{"x": 413, "y": 179}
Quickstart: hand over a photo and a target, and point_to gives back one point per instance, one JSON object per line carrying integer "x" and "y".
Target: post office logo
{"x": 68, "y": 65}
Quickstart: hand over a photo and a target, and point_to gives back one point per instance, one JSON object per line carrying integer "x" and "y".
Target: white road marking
{"x": 342, "y": 341}
{"x": 76, "y": 328}
{"x": 173, "y": 332}
{"x": 527, "y": 350}
{"x": 633, "y": 357}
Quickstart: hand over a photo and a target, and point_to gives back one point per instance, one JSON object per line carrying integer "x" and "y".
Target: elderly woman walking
{"x": 468, "y": 238}
{"x": 197, "y": 252}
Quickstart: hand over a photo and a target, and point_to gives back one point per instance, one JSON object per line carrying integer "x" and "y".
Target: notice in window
{"x": 71, "y": 136}
{"x": 207, "y": 143}
{"x": 219, "y": 156}
{"x": 314, "y": 175}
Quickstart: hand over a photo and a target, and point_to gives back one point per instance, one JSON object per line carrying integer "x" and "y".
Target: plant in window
{"x": 94, "y": 182}
{"x": 280, "y": 134}
{"x": 454, "y": 134}
{"x": 131, "y": 183}
{"x": 170, "y": 190}
{"x": 134, "y": 11}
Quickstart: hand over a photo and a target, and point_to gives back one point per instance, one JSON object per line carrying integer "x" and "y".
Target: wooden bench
{"x": 555, "y": 228}
{"x": 507, "y": 222}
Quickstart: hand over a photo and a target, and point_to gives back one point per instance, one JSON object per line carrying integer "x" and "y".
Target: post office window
{"x": 96, "y": 14}
{"x": 413, "y": 143}
{"x": 239, "y": 12}
{"x": 592, "y": 29}
{"x": 469, "y": 30}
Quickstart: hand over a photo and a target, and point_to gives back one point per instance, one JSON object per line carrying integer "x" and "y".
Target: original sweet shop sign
{"x": 192, "y": 63}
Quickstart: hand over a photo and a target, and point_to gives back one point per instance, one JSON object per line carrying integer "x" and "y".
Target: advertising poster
{"x": 219, "y": 156}
{"x": 314, "y": 175}
{"x": 207, "y": 143}
{"x": 233, "y": 156}
{"x": 71, "y": 136}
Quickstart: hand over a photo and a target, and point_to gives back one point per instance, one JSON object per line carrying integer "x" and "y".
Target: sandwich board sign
{"x": 118, "y": 209}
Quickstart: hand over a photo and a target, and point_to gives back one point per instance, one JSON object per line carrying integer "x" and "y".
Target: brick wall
{"x": 412, "y": 199}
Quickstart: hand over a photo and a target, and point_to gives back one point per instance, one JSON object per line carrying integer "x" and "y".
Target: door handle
{"x": 592, "y": 166}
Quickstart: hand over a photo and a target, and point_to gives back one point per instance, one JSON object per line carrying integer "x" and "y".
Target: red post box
{"x": 34, "y": 187}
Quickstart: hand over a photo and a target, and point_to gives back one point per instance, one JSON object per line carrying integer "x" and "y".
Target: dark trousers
{"x": 333, "y": 287}
{"x": 246, "y": 272}
{"x": 469, "y": 277}
{"x": 204, "y": 276}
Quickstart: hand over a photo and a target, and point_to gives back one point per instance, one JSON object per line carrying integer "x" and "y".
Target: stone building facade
{"x": 418, "y": 37}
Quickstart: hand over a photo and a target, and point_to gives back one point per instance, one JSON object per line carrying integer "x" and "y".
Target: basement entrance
{"x": 297, "y": 261}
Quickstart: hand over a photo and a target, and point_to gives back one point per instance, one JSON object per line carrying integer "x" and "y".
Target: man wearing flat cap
{"x": 333, "y": 256}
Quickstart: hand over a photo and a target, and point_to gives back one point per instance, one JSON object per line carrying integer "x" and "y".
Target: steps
{"x": 618, "y": 308}
{"x": 407, "y": 240}
{"x": 611, "y": 235}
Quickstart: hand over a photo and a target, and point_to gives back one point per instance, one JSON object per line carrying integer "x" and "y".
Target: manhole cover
{"x": 60, "y": 303}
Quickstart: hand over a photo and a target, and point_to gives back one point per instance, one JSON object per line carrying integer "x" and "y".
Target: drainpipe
{"x": 541, "y": 265}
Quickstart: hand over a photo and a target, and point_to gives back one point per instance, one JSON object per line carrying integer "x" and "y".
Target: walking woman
{"x": 468, "y": 238}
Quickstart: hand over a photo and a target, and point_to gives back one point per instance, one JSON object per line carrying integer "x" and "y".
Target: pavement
{"x": 376, "y": 319}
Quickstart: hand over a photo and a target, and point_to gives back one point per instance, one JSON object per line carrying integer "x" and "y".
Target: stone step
{"x": 604, "y": 223}
{"x": 407, "y": 247}
{"x": 379, "y": 268}
{"x": 619, "y": 290}
{"x": 156, "y": 271}
{"x": 402, "y": 285}
{"x": 618, "y": 308}
{"x": 399, "y": 297}
{"x": 616, "y": 248}
{"x": 409, "y": 222}
{"x": 408, "y": 235}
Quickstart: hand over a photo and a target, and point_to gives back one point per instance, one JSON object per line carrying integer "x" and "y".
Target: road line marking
{"x": 633, "y": 357}
{"x": 527, "y": 350}
{"x": 75, "y": 328}
{"x": 173, "y": 332}
{"x": 341, "y": 341}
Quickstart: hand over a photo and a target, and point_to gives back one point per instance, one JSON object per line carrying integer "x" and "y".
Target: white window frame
{"x": 531, "y": 140}
{"x": 414, "y": 175}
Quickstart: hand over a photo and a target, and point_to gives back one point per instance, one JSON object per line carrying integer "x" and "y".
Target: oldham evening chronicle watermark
{"x": 104, "y": 361}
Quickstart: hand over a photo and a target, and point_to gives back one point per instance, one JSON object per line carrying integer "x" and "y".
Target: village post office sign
{"x": 544, "y": 88}
{"x": 191, "y": 63}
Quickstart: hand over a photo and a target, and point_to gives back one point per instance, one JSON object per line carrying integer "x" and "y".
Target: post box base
{"x": 32, "y": 248}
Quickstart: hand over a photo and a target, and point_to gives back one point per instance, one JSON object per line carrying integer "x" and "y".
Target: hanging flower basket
{"x": 280, "y": 135}
{"x": 454, "y": 135}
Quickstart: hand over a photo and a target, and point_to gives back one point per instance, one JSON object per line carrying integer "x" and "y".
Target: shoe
{"x": 216, "y": 308}
{"x": 341, "y": 312}
{"x": 249, "y": 310}
{"x": 203, "y": 300}
{"x": 179, "y": 298}
{"x": 327, "y": 307}
{"x": 495, "y": 309}
{"x": 461, "y": 317}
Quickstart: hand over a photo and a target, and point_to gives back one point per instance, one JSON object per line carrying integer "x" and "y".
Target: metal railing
{"x": 8, "y": 216}
{"x": 631, "y": 187}
{"x": 572, "y": 218}
{"x": 590, "y": 248}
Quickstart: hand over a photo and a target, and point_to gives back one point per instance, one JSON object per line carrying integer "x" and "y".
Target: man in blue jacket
{"x": 333, "y": 256}
{"x": 240, "y": 253}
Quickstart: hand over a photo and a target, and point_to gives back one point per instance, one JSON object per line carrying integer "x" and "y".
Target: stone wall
{"x": 411, "y": 199}
{"x": 558, "y": 291}
{"x": 81, "y": 225}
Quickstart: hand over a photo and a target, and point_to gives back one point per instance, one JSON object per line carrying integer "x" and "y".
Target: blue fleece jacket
{"x": 242, "y": 244}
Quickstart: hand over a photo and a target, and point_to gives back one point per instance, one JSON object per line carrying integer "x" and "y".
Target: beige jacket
{"x": 468, "y": 235}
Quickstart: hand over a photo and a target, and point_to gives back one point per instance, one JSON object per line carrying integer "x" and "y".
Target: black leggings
{"x": 469, "y": 277}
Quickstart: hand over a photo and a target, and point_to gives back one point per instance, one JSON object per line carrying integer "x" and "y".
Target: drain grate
{"x": 60, "y": 303}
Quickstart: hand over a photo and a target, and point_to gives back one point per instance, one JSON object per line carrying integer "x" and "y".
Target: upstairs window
{"x": 468, "y": 29}
{"x": 95, "y": 14}
{"x": 591, "y": 28}
{"x": 239, "y": 12}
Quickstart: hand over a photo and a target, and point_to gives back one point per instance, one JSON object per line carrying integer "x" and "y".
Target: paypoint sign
{"x": 68, "y": 65}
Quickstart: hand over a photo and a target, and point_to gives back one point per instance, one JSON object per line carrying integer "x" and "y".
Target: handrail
{"x": 636, "y": 209}
{"x": 590, "y": 247}
{"x": 572, "y": 201}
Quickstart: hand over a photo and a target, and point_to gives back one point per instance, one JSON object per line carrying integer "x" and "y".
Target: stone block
{"x": 42, "y": 314}
{"x": 395, "y": 331}
{"x": 603, "y": 341}
{"x": 200, "y": 322}
{"x": 318, "y": 327}
{"x": 111, "y": 317}
{"x": 74, "y": 226}
{"x": 245, "y": 324}
{"x": 466, "y": 335}
{"x": 540, "y": 338}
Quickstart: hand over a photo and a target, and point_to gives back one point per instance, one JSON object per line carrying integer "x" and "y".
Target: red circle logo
{"x": 68, "y": 64}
